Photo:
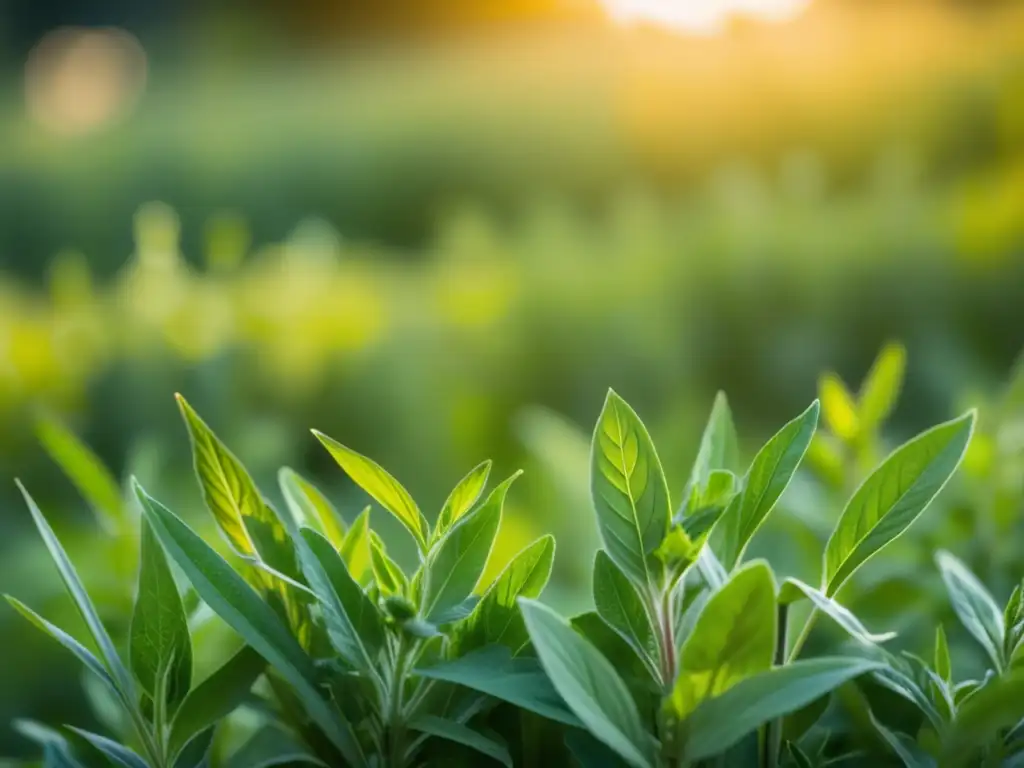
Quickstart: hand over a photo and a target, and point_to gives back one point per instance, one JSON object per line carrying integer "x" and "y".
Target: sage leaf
{"x": 974, "y": 606}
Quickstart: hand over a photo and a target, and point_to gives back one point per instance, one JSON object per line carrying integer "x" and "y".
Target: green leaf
{"x": 381, "y": 486}
{"x": 496, "y": 617}
{"x": 622, "y": 608}
{"x": 629, "y": 491}
{"x": 518, "y": 680}
{"x": 719, "y": 447}
{"x": 974, "y": 606}
{"x": 82, "y": 653}
{"x": 309, "y": 506}
{"x": 117, "y": 753}
{"x": 838, "y": 613}
{"x": 458, "y": 559}
{"x": 893, "y": 497}
{"x": 462, "y": 498}
{"x": 881, "y": 387}
{"x": 981, "y": 718}
{"x": 589, "y": 752}
{"x": 722, "y": 721}
{"x": 768, "y": 476}
{"x": 838, "y": 407}
{"x": 353, "y": 622}
{"x": 85, "y": 470}
{"x": 159, "y": 634}
{"x": 355, "y": 549}
{"x": 905, "y": 748}
{"x": 942, "y": 662}
{"x": 461, "y": 734}
{"x": 231, "y": 598}
{"x": 196, "y": 753}
{"x": 588, "y": 683}
{"x": 215, "y": 697}
{"x": 734, "y": 638}
{"x": 57, "y": 751}
{"x": 108, "y": 653}
{"x": 271, "y": 746}
{"x": 389, "y": 576}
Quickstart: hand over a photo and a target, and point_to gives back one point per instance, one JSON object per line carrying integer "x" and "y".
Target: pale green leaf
{"x": 117, "y": 753}
{"x": 838, "y": 613}
{"x": 381, "y": 486}
{"x": 496, "y": 617}
{"x": 390, "y": 578}
{"x": 588, "y": 683}
{"x": 768, "y": 476}
{"x": 722, "y": 721}
{"x": 881, "y": 387}
{"x": 457, "y": 561}
{"x": 733, "y": 638}
{"x": 462, "y": 498}
{"x": 461, "y": 734}
{"x": 309, "y": 506}
{"x": 629, "y": 491}
{"x": 159, "y": 634}
{"x": 974, "y": 606}
{"x": 621, "y": 606}
{"x": 893, "y": 497}
{"x": 355, "y": 549}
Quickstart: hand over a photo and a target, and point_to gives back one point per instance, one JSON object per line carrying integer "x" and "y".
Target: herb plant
{"x": 694, "y": 654}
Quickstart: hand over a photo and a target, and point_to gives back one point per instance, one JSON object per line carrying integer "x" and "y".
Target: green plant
{"x": 686, "y": 660}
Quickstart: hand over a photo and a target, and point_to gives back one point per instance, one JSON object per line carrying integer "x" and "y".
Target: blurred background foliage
{"x": 439, "y": 231}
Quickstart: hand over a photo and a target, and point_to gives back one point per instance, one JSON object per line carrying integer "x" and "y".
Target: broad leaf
{"x": 794, "y": 589}
{"x": 719, "y": 448}
{"x": 767, "y": 478}
{"x": 310, "y": 507}
{"x": 159, "y": 632}
{"x": 241, "y": 608}
{"x": 215, "y": 697}
{"x": 85, "y": 470}
{"x": 720, "y": 722}
{"x": 353, "y": 622}
{"x": 494, "y": 671}
{"x": 108, "y": 653}
{"x": 458, "y": 559}
{"x": 462, "y": 498}
{"x": 629, "y": 491}
{"x": 734, "y": 638}
{"x": 974, "y": 606}
{"x": 461, "y": 734}
{"x": 893, "y": 497}
{"x": 387, "y": 491}
{"x": 622, "y": 608}
{"x": 496, "y": 618}
{"x": 588, "y": 683}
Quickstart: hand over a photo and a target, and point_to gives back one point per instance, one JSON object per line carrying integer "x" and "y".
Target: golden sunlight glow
{"x": 705, "y": 17}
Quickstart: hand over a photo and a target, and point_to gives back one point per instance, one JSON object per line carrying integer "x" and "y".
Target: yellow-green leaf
{"x": 308, "y": 505}
{"x": 881, "y": 387}
{"x": 462, "y": 498}
{"x": 838, "y": 406}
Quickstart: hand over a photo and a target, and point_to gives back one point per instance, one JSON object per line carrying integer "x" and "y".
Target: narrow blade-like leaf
{"x": 881, "y": 387}
{"x": 720, "y": 722}
{"x": 629, "y": 491}
{"x": 974, "y": 606}
{"x": 838, "y": 613}
{"x": 719, "y": 447}
{"x": 768, "y": 476}
{"x": 462, "y": 498}
{"x": 117, "y": 753}
{"x": 355, "y": 549}
{"x": 387, "y": 491}
{"x": 310, "y": 507}
{"x": 893, "y": 497}
{"x": 461, "y": 734}
{"x": 621, "y": 607}
{"x": 588, "y": 683}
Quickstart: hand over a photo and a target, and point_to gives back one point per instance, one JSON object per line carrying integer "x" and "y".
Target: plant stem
{"x": 773, "y": 730}
{"x": 802, "y": 637}
{"x": 396, "y": 715}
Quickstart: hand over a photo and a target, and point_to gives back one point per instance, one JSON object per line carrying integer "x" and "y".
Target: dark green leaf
{"x": 719, "y": 448}
{"x": 461, "y": 734}
{"x": 118, "y": 753}
{"x": 980, "y": 719}
{"x": 271, "y": 746}
{"x": 621, "y": 606}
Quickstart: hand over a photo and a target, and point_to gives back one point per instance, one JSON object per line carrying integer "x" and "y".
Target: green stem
{"x": 802, "y": 637}
{"x": 773, "y": 730}
{"x": 395, "y": 709}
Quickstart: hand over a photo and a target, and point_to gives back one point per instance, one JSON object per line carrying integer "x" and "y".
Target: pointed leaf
{"x": 734, "y": 638}
{"x": 588, "y": 683}
{"x": 496, "y": 618}
{"x": 622, "y": 608}
{"x": 974, "y": 606}
{"x": 271, "y": 746}
{"x": 520, "y": 681}
{"x": 215, "y": 697}
{"x": 720, "y": 722}
{"x": 458, "y": 559}
{"x": 768, "y": 476}
{"x": 629, "y": 490}
{"x": 461, "y": 734}
{"x": 73, "y": 584}
{"x": 57, "y": 751}
{"x": 389, "y": 576}
{"x": 893, "y": 497}
{"x": 838, "y": 407}
{"x": 881, "y": 387}
{"x": 943, "y": 665}
{"x": 310, "y": 507}
{"x": 385, "y": 489}
{"x": 355, "y": 549}
{"x": 838, "y": 613}
{"x": 241, "y": 608}
{"x": 462, "y": 498}
{"x": 85, "y": 470}
{"x": 159, "y": 632}
{"x": 118, "y": 753}
{"x": 719, "y": 447}
{"x": 980, "y": 719}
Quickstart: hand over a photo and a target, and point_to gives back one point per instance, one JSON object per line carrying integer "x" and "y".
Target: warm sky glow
{"x": 701, "y": 16}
